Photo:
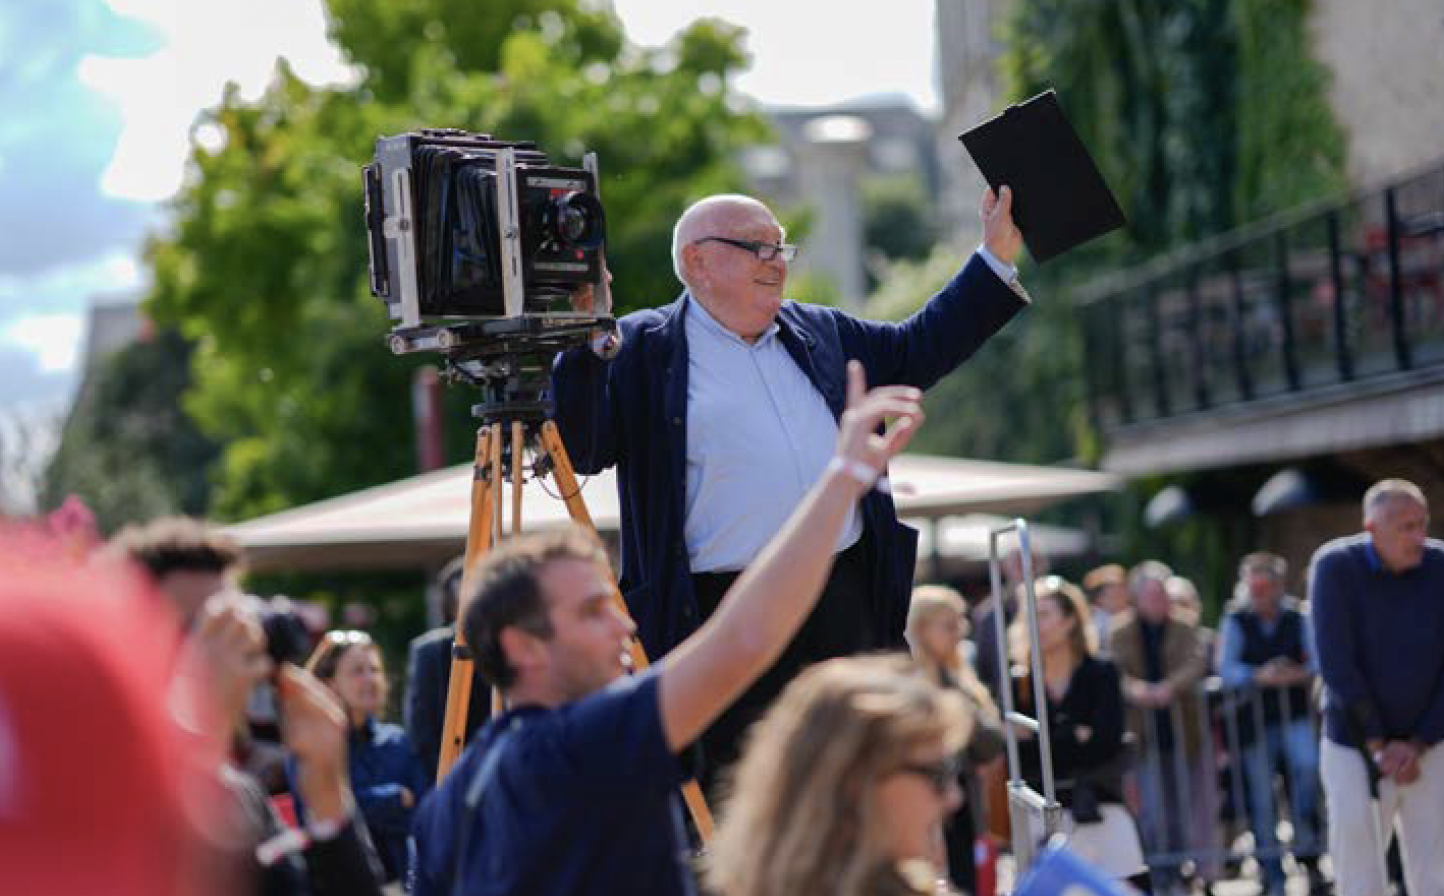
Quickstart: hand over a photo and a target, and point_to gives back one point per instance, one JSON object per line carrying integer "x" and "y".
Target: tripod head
{"x": 508, "y": 359}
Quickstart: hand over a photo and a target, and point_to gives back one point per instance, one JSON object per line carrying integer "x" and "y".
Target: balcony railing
{"x": 1347, "y": 291}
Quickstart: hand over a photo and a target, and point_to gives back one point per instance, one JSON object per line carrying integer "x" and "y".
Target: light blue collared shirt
{"x": 1006, "y": 272}
{"x": 759, "y": 435}
{"x": 1233, "y": 670}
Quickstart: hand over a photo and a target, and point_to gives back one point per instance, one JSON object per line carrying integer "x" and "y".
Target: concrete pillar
{"x": 833, "y": 157}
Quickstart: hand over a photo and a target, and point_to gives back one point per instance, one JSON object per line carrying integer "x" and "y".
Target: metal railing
{"x": 1033, "y": 817}
{"x": 1261, "y": 757}
{"x": 1335, "y": 294}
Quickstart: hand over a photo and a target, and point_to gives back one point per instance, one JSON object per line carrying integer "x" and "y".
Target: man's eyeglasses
{"x": 763, "y": 251}
{"x": 939, "y": 775}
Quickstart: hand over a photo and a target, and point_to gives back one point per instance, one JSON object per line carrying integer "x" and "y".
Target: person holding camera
{"x": 223, "y": 655}
{"x": 574, "y": 788}
{"x": 719, "y": 412}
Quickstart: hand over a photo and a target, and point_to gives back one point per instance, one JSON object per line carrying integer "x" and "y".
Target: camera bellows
{"x": 452, "y": 215}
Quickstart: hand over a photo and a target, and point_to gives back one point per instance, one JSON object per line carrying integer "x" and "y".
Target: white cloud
{"x": 811, "y": 52}
{"x": 67, "y": 287}
{"x": 53, "y": 338}
{"x": 207, "y": 44}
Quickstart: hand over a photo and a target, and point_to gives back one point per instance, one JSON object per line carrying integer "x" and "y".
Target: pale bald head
{"x": 709, "y": 217}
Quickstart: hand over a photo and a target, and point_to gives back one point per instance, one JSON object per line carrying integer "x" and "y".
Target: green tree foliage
{"x": 1290, "y": 147}
{"x": 265, "y": 269}
{"x": 1202, "y": 115}
{"x": 1017, "y": 399}
{"x": 898, "y": 220}
{"x": 128, "y": 449}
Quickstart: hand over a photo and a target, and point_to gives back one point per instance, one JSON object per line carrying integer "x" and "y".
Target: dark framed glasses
{"x": 763, "y": 251}
{"x": 939, "y": 775}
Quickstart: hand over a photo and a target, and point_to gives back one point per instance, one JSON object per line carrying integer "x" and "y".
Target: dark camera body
{"x": 452, "y": 216}
{"x": 287, "y": 639}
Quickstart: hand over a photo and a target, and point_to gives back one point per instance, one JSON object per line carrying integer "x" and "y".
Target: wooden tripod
{"x": 483, "y": 533}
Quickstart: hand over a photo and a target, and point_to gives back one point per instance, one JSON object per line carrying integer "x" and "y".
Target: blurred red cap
{"x": 97, "y": 779}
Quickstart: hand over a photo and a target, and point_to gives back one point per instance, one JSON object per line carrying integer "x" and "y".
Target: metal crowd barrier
{"x": 1200, "y": 801}
{"x": 1033, "y": 817}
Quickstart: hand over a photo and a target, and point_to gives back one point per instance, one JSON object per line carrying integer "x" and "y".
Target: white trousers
{"x": 1110, "y": 844}
{"x": 1415, "y": 810}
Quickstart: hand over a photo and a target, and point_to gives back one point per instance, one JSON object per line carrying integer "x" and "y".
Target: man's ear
{"x": 522, "y": 649}
{"x": 693, "y": 261}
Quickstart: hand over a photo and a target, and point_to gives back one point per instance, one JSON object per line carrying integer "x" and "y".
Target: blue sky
{"x": 99, "y": 96}
{"x": 62, "y": 235}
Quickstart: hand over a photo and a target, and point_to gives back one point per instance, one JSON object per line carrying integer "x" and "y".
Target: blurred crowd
{"x": 163, "y": 732}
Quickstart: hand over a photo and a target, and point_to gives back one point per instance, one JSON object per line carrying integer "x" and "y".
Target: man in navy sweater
{"x": 720, "y": 411}
{"x": 1378, "y": 612}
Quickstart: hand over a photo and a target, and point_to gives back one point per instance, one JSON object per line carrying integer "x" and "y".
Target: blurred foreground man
{"x": 1377, "y": 601}
{"x": 574, "y": 789}
{"x": 720, "y": 412}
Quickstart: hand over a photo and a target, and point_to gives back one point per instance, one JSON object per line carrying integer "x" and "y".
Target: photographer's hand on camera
{"x": 228, "y": 653}
{"x": 314, "y": 730}
{"x": 585, "y": 297}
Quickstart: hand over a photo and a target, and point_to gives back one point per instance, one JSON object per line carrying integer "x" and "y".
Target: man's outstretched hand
{"x": 858, "y": 441}
{"x": 1000, "y": 234}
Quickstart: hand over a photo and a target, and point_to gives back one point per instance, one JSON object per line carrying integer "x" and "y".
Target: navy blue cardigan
{"x": 631, "y": 412}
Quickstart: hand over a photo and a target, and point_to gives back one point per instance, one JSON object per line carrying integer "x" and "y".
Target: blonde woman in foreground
{"x": 844, "y": 786}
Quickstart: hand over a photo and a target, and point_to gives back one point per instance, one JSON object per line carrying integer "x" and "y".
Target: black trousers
{"x": 840, "y": 625}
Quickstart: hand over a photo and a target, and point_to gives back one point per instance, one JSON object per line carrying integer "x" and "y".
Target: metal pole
{"x": 1021, "y": 797}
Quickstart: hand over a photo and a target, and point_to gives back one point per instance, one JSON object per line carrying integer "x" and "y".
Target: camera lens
{"x": 576, "y": 220}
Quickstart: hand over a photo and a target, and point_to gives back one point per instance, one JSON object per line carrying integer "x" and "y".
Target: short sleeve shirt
{"x": 583, "y": 799}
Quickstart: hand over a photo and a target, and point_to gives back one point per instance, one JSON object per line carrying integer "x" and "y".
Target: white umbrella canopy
{"x": 421, "y": 521}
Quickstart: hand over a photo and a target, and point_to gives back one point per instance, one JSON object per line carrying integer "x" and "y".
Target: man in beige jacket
{"x": 1161, "y": 659}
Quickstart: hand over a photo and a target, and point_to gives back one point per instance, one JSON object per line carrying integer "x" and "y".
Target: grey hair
{"x": 1155, "y": 570}
{"x": 691, "y": 223}
{"x": 1387, "y": 491}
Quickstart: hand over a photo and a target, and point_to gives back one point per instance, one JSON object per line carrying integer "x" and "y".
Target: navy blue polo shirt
{"x": 581, "y": 799}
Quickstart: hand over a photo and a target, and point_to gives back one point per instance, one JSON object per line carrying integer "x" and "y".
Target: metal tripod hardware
{"x": 1033, "y": 817}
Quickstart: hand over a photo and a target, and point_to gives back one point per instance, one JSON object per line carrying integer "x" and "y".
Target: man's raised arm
{"x": 770, "y": 600}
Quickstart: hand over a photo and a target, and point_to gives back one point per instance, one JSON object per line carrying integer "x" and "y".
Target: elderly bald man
{"x": 721, "y": 409}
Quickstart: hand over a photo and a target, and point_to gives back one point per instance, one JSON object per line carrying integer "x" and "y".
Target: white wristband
{"x": 859, "y": 471}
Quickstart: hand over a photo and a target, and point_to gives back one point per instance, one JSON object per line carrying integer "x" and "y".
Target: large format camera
{"x": 476, "y": 244}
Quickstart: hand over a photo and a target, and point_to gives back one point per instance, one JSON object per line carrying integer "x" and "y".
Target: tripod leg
{"x": 518, "y": 449}
{"x": 566, "y": 479}
{"x": 498, "y": 435}
{"x": 485, "y": 484}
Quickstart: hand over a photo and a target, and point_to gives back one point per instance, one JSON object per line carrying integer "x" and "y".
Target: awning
{"x": 1400, "y": 410}
{"x": 421, "y": 522}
